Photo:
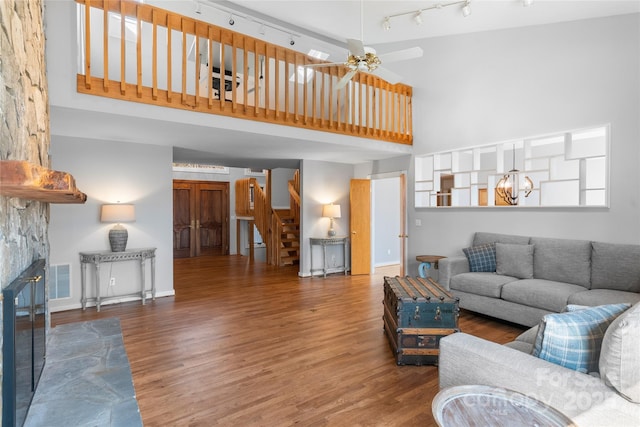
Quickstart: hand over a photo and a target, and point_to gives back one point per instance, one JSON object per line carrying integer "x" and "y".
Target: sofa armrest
{"x": 449, "y": 267}
{"x": 467, "y": 360}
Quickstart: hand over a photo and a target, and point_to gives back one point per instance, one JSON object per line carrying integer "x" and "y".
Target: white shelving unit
{"x": 567, "y": 169}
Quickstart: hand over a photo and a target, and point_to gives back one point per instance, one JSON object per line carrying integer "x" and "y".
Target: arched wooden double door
{"x": 200, "y": 218}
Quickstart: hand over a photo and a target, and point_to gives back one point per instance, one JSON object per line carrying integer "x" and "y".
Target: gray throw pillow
{"x": 514, "y": 260}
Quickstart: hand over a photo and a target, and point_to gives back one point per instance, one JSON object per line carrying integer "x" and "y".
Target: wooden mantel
{"x": 27, "y": 180}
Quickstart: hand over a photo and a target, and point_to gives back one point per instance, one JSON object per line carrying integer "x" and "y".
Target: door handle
{"x": 353, "y": 232}
{"x": 192, "y": 225}
{"x": 403, "y": 235}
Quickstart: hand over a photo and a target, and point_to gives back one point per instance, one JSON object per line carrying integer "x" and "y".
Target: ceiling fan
{"x": 364, "y": 59}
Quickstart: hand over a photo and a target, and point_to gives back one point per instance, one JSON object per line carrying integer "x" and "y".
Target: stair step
{"x": 289, "y": 259}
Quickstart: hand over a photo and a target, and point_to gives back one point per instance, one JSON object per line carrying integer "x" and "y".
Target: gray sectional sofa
{"x": 537, "y": 275}
{"x": 610, "y": 398}
{"x": 533, "y": 277}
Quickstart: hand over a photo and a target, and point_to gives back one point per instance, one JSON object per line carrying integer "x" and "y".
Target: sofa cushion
{"x": 529, "y": 336}
{"x": 514, "y": 260}
{"x": 562, "y": 260}
{"x": 486, "y": 284}
{"x": 603, "y": 296}
{"x": 481, "y": 258}
{"x": 620, "y": 355}
{"x": 574, "y": 339}
{"x": 545, "y": 294}
{"x": 482, "y": 238}
{"x": 522, "y": 346}
{"x": 615, "y": 266}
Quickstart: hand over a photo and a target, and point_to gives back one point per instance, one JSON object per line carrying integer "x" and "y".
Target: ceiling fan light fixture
{"x": 386, "y": 24}
{"x": 418, "y": 17}
{"x": 466, "y": 9}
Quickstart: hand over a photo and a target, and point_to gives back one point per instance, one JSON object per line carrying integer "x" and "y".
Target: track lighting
{"x": 418, "y": 17}
{"x": 466, "y": 9}
{"x": 262, "y": 25}
{"x": 386, "y": 24}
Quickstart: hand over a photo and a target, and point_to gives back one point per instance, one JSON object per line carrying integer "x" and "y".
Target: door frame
{"x": 403, "y": 242}
{"x": 226, "y": 233}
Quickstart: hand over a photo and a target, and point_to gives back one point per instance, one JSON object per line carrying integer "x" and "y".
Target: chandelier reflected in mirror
{"x": 512, "y": 183}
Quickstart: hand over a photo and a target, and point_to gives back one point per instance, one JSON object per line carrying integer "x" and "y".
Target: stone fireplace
{"x": 24, "y": 132}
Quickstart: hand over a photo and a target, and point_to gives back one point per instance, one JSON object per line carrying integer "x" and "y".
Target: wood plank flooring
{"x": 245, "y": 344}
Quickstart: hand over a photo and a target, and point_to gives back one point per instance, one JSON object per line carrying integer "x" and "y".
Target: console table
{"x": 98, "y": 257}
{"x": 324, "y": 242}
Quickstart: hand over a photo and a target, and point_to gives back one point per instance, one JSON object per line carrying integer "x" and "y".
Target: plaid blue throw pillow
{"x": 573, "y": 339}
{"x": 481, "y": 258}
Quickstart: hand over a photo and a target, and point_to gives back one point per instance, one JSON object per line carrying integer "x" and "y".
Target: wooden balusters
{"x": 260, "y": 81}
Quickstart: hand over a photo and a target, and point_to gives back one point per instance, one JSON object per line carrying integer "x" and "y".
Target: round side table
{"x": 426, "y": 261}
{"x": 477, "y": 405}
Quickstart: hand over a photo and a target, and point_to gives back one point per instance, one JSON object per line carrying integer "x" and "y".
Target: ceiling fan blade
{"x": 356, "y": 47}
{"x": 401, "y": 55}
{"x": 387, "y": 75}
{"x": 345, "y": 79}
{"x": 324, "y": 64}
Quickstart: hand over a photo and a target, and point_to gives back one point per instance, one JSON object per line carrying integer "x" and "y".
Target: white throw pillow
{"x": 620, "y": 355}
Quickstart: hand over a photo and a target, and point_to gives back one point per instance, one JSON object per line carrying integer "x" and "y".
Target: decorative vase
{"x": 118, "y": 239}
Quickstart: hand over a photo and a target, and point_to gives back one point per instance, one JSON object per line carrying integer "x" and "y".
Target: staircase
{"x": 279, "y": 228}
{"x": 288, "y": 228}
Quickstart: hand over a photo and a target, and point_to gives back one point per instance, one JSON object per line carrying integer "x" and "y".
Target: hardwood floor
{"x": 254, "y": 345}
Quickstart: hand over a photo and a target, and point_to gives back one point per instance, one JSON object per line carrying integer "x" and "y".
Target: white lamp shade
{"x": 331, "y": 211}
{"x": 118, "y": 213}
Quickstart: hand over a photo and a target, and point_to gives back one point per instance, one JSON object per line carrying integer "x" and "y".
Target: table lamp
{"x": 331, "y": 211}
{"x": 118, "y": 213}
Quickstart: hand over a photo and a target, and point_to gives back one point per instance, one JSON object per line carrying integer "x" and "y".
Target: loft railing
{"x": 162, "y": 58}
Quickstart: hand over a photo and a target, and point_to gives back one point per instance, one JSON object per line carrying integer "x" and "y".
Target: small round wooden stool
{"x": 426, "y": 261}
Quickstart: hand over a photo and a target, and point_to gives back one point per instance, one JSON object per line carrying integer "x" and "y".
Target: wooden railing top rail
{"x": 367, "y": 107}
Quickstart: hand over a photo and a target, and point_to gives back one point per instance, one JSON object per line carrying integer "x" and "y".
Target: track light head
{"x": 292, "y": 41}
{"x": 231, "y": 21}
{"x": 198, "y": 7}
{"x": 386, "y": 24}
{"x": 418, "y": 17}
{"x": 466, "y": 9}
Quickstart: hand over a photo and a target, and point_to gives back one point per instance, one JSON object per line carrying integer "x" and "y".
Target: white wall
{"x": 280, "y": 178}
{"x": 109, "y": 172}
{"x": 499, "y": 85}
{"x": 322, "y": 183}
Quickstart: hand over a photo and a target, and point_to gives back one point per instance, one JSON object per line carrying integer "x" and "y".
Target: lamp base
{"x": 118, "y": 239}
{"x": 331, "y": 232}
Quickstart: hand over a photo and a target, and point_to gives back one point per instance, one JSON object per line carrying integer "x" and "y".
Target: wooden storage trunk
{"x": 417, "y": 313}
